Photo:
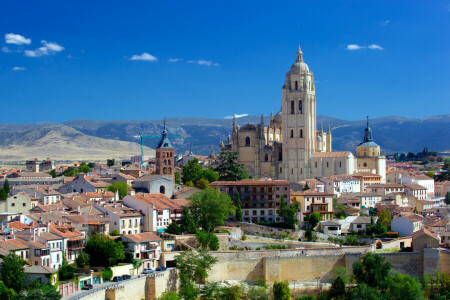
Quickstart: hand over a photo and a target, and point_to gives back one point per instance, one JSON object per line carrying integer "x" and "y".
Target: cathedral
{"x": 291, "y": 147}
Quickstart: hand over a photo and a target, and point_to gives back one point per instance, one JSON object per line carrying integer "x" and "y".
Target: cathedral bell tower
{"x": 298, "y": 108}
{"x": 165, "y": 164}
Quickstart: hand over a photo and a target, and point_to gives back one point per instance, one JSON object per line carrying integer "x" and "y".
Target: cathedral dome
{"x": 277, "y": 117}
{"x": 299, "y": 66}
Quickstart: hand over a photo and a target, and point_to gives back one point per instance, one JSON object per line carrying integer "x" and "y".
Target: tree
{"x": 70, "y": 172}
{"x": 238, "y": 204}
{"x": 281, "y": 290}
{"x": 403, "y": 286}
{"x": 177, "y": 177}
{"x": 231, "y": 293}
{"x": 337, "y": 290}
{"x": 211, "y": 208}
{"x": 169, "y": 295}
{"x": 110, "y": 162}
{"x": 210, "y": 175}
{"x": 289, "y": 214}
{"x": 257, "y": 293}
{"x": 66, "y": 271}
{"x": 314, "y": 219}
{"x": 173, "y": 228}
{"x": 202, "y": 184}
{"x": 7, "y": 187}
{"x": 6, "y": 293}
{"x": 192, "y": 171}
{"x": 137, "y": 263}
{"x": 193, "y": 267}
{"x": 187, "y": 222}
{"x": 384, "y": 218}
{"x": 306, "y": 187}
{"x": 207, "y": 240}
{"x": 308, "y": 235}
{"x": 104, "y": 251}
{"x": 447, "y": 198}
{"x": 107, "y": 274}
{"x": 371, "y": 270}
{"x": 3, "y": 195}
{"x": 120, "y": 186}
{"x": 115, "y": 232}
{"x": 82, "y": 260}
{"x": 83, "y": 168}
{"x": 229, "y": 168}
{"x": 91, "y": 165}
{"x": 52, "y": 173}
{"x": 40, "y": 291}
{"x": 12, "y": 272}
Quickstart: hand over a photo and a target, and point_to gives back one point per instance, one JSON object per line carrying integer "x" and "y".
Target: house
{"x": 330, "y": 227}
{"x": 152, "y": 183}
{"x": 56, "y": 247}
{"x": 339, "y": 184}
{"x": 350, "y": 201}
{"x": 360, "y": 224}
{"x": 423, "y": 180}
{"x": 416, "y": 190}
{"x": 124, "y": 219}
{"x": 260, "y": 199}
{"x": 407, "y": 224}
{"x": 17, "y": 247}
{"x": 158, "y": 210}
{"x": 18, "y": 203}
{"x": 445, "y": 238}
{"x": 132, "y": 170}
{"x": 367, "y": 178}
{"x": 45, "y": 195}
{"x": 313, "y": 184}
{"x": 311, "y": 201}
{"x": 145, "y": 246}
{"x": 73, "y": 240}
{"x": 83, "y": 184}
{"x": 44, "y": 274}
{"x": 29, "y": 175}
{"x": 423, "y": 238}
{"x": 368, "y": 200}
{"x": 385, "y": 189}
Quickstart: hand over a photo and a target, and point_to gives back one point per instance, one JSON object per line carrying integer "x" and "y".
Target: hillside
{"x": 61, "y": 142}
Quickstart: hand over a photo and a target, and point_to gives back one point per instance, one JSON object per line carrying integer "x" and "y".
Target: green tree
{"x": 229, "y": 168}
{"x": 120, "y": 186}
{"x": 207, "y": 240}
{"x": 281, "y": 290}
{"x": 289, "y": 213}
{"x": 202, "y": 184}
{"x": 173, "y": 228}
{"x": 238, "y": 204}
{"x": 70, "y": 172}
{"x": 337, "y": 290}
{"x": 82, "y": 260}
{"x": 104, "y": 251}
{"x": 403, "y": 286}
{"x": 193, "y": 267}
{"x": 66, "y": 271}
{"x": 177, "y": 177}
{"x": 3, "y": 194}
{"x": 384, "y": 218}
{"x": 53, "y": 173}
{"x": 371, "y": 270}
{"x": 187, "y": 222}
{"x": 447, "y": 198}
{"x": 210, "y": 175}
{"x": 107, "y": 274}
{"x": 137, "y": 263}
{"x": 257, "y": 293}
{"x": 306, "y": 187}
{"x": 110, "y": 162}
{"x": 309, "y": 235}
{"x": 7, "y": 187}
{"x": 192, "y": 171}
{"x": 91, "y": 165}
{"x": 40, "y": 291}
{"x": 6, "y": 293}
{"x": 314, "y": 219}
{"x": 115, "y": 232}
{"x": 211, "y": 208}
{"x": 83, "y": 168}
{"x": 231, "y": 293}
{"x": 12, "y": 272}
{"x": 169, "y": 295}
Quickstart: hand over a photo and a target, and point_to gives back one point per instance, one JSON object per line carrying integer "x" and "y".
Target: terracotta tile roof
{"x": 386, "y": 185}
{"x": 363, "y": 220}
{"x": 414, "y": 217}
{"x": 424, "y": 231}
{"x": 311, "y": 192}
{"x": 64, "y": 231}
{"x": 13, "y": 244}
{"x": 160, "y": 201}
{"x": 39, "y": 269}
{"x": 143, "y": 237}
{"x": 19, "y": 226}
{"x": 331, "y": 154}
{"x": 414, "y": 186}
{"x": 50, "y": 207}
{"x": 249, "y": 182}
{"x": 49, "y": 236}
{"x": 422, "y": 177}
{"x": 149, "y": 177}
{"x": 366, "y": 174}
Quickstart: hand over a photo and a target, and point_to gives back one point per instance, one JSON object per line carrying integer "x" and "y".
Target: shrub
{"x": 107, "y": 274}
{"x": 281, "y": 290}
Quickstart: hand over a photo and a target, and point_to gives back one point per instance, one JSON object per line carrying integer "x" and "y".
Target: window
{"x": 316, "y": 164}
{"x": 13, "y": 204}
{"x": 123, "y": 223}
{"x": 165, "y": 171}
{"x": 296, "y": 85}
{"x": 365, "y": 164}
{"x": 23, "y": 204}
{"x": 292, "y": 107}
{"x": 292, "y": 133}
{"x": 327, "y": 164}
{"x": 129, "y": 223}
{"x": 340, "y": 164}
{"x": 247, "y": 141}
{"x": 266, "y": 157}
{"x": 301, "y": 133}
{"x": 300, "y": 107}
{"x": 162, "y": 189}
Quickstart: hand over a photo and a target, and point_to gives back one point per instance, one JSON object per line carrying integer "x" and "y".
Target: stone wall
{"x": 444, "y": 262}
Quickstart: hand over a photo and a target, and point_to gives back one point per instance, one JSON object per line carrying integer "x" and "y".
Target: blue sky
{"x": 110, "y": 60}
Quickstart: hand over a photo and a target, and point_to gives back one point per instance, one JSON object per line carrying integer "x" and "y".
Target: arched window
{"x": 170, "y": 170}
{"x": 165, "y": 171}
{"x": 301, "y": 171}
{"x": 165, "y": 162}
{"x": 316, "y": 164}
{"x": 168, "y": 162}
{"x": 292, "y": 108}
{"x": 292, "y": 171}
{"x": 292, "y": 133}
{"x": 266, "y": 157}
{"x": 162, "y": 189}
{"x": 327, "y": 164}
{"x": 301, "y": 133}
{"x": 365, "y": 164}
{"x": 296, "y": 85}
{"x": 247, "y": 141}
{"x": 300, "y": 107}
{"x": 281, "y": 170}
{"x": 340, "y": 164}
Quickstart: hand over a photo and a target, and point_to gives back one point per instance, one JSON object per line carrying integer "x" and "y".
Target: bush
{"x": 274, "y": 247}
{"x": 107, "y": 274}
{"x": 306, "y": 297}
{"x": 66, "y": 271}
{"x": 173, "y": 228}
{"x": 82, "y": 260}
{"x": 281, "y": 290}
{"x": 244, "y": 237}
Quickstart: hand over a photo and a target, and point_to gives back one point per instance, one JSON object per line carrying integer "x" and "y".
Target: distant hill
{"x": 61, "y": 142}
{"x": 86, "y": 139}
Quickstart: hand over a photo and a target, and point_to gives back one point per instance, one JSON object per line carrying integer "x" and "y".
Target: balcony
{"x": 148, "y": 247}
{"x": 76, "y": 244}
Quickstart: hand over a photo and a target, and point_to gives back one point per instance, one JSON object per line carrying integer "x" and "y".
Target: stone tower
{"x": 298, "y": 108}
{"x": 165, "y": 156}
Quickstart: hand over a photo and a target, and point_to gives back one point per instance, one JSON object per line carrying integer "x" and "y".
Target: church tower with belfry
{"x": 165, "y": 164}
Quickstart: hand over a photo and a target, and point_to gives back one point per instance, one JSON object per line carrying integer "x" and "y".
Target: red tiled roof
{"x": 331, "y": 154}
{"x": 142, "y": 237}
{"x": 160, "y": 201}
{"x": 249, "y": 182}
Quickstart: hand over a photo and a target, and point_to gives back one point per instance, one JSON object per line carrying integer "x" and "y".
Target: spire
{"x": 299, "y": 54}
{"x": 368, "y": 133}
{"x": 234, "y": 122}
{"x": 262, "y": 120}
{"x": 212, "y": 155}
{"x": 271, "y": 117}
{"x": 321, "y": 127}
{"x": 329, "y": 129}
{"x": 165, "y": 142}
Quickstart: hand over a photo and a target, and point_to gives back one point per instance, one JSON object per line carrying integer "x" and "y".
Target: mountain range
{"x": 98, "y": 140}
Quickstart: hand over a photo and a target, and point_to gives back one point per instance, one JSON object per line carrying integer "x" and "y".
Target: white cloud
{"x": 207, "y": 63}
{"x": 144, "y": 56}
{"x": 190, "y": 61}
{"x": 18, "y": 69}
{"x": 17, "y": 39}
{"x": 354, "y": 47}
{"x": 375, "y": 47}
{"x": 174, "y": 59}
{"x": 6, "y": 50}
{"x": 236, "y": 116}
{"x": 385, "y": 22}
{"x": 48, "y": 48}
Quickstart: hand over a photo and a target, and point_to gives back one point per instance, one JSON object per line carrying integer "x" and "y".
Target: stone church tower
{"x": 300, "y": 136}
{"x": 165, "y": 164}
